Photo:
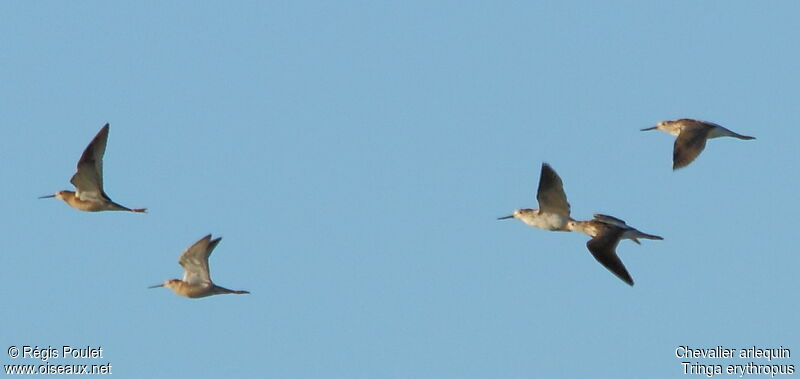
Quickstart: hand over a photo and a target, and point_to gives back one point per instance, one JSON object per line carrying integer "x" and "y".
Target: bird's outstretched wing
{"x": 195, "y": 261}
{"x": 689, "y": 143}
{"x": 610, "y": 220}
{"x": 550, "y": 194}
{"x": 88, "y": 180}
{"x": 603, "y": 248}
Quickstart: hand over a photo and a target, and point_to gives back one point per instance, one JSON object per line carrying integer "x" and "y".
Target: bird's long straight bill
{"x": 650, "y": 128}
{"x": 46, "y": 196}
{"x": 157, "y": 285}
{"x": 506, "y": 217}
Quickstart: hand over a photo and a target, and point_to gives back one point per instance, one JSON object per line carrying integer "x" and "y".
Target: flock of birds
{"x": 90, "y": 196}
{"x": 553, "y": 213}
{"x": 606, "y": 231}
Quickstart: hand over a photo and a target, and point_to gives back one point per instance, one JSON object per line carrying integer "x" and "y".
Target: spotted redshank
{"x": 88, "y": 181}
{"x": 196, "y": 275}
{"x": 553, "y": 212}
{"x": 691, "y": 136}
{"x": 606, "y": 232}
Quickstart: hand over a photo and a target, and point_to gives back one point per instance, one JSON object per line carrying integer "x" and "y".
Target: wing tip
{"x": 679, "y": 164}
{"x": 627, "y": 279}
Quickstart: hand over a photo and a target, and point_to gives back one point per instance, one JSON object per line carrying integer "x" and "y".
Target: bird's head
{"x": 58, "y": 195}
{"x": 659, "y": 125}
{"x": 519, "y": 214}
{"x": 171, "y": 284}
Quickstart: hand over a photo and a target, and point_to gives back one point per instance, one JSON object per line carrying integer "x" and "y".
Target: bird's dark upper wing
{"x": 610, "y": 220}
{"x": 689, "y": 144}
{"x": 603, "y": 248}
{"x": 551, "y": 194}
{"x": 88, "y": 180}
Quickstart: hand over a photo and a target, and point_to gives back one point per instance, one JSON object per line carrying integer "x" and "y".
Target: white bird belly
{"x": 547, "y": 221}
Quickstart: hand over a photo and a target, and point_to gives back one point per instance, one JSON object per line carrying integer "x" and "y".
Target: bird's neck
{"x": 585, "y": 227}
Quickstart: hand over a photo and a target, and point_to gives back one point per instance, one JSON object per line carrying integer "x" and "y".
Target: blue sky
{"x": 354, "y": 156}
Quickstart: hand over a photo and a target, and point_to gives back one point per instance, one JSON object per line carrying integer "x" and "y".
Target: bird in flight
{"x": 691, "y": 136}
{"x": 553, "y": 212}
{"x": 606, "y": 232}
{"x": 88, "y": 181}
{"x": 196, "y": 274}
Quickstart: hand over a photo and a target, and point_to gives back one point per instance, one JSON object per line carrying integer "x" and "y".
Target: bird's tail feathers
{"x": 647, "y": 236}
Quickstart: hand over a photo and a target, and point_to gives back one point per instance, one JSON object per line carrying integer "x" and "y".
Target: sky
{"x": 354, "y": 157}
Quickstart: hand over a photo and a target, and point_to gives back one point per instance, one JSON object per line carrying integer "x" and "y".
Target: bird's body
{"x": 553, "y": 212}
{"x": 88, "y": 180}
{"x": 606, "y": 232}
{"x": 93, "y": 205}
{"x": 691, "y": 136}
{"x": 196, "y": 280}
{"x": 542, "y": 220}
{"x": 195, "y": 291}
